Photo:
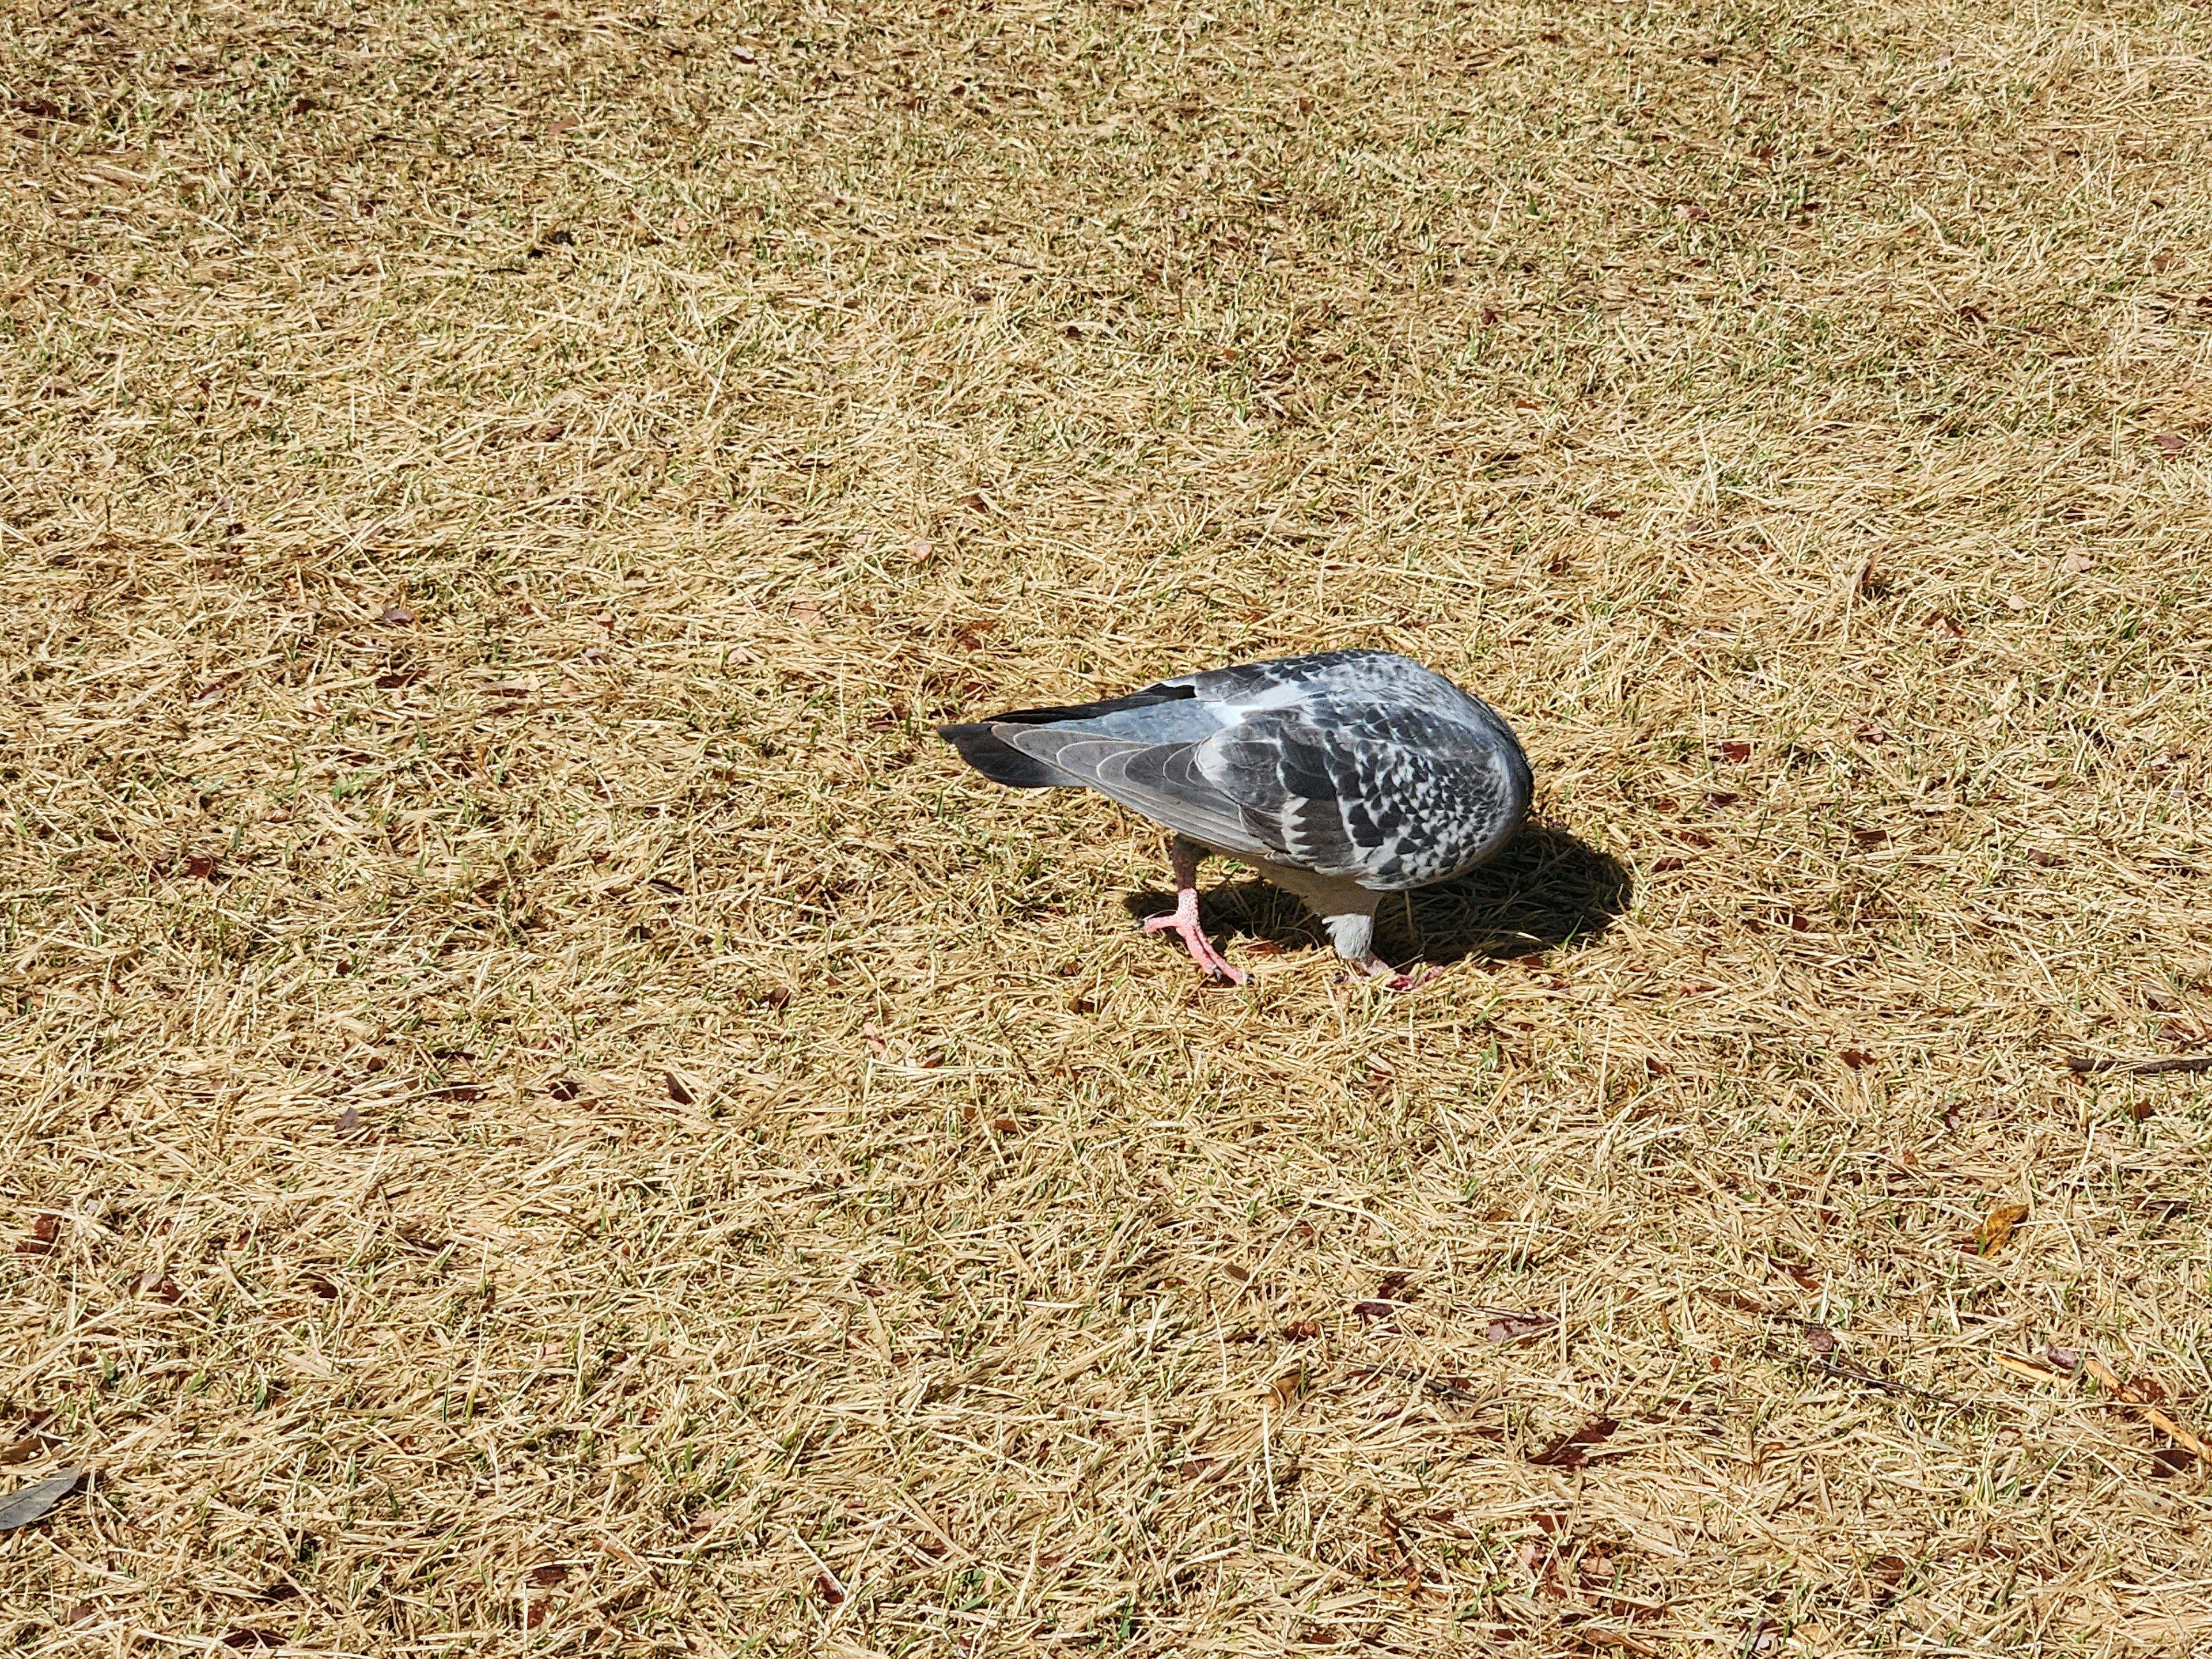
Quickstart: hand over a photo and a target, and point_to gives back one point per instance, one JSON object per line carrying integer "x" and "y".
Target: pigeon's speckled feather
{"x": 1360, "y": 766}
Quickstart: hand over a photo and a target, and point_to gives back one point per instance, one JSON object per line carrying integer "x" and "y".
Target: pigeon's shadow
{"x": 1548, "y": 889}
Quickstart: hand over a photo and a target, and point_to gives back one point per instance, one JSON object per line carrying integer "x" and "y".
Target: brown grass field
{"x": 543, "y": 1113}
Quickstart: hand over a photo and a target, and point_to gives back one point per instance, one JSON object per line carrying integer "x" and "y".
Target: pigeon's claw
{"x": 1183, "y": 920}
{"x": 1375, "y": 967}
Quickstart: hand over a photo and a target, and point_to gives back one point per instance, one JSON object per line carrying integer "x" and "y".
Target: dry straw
{"x": 544, "y": 1114}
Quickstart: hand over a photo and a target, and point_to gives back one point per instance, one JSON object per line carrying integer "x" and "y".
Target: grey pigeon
{"x": 1340, "y": 777}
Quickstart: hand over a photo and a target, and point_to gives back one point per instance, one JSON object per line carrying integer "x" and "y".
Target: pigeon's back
{"x": 1357, "y": 764}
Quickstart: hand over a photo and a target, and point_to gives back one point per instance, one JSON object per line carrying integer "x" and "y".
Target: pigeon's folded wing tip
{"x": 982, "y": 748}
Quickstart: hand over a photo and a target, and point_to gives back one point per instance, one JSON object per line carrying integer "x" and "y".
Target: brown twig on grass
{"x": 2083, "y": 1065}
{"x": 1852, "y": 1374}
{"x": 2132, "y": 1396}
{"x": 2123, "y": 1392}
{"x": 1445, "y": 1389}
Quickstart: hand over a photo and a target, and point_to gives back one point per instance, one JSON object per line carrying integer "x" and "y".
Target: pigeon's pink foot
{"x": 1183, "y": 919}
{"x": 1375, "y": 967}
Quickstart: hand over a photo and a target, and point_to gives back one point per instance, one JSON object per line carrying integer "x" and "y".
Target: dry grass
{"x": 570, "y": 1126}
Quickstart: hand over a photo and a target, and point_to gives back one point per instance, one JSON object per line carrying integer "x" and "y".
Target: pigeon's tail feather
{"x": 985, "y": 751}
{"x": 982, "y": 748}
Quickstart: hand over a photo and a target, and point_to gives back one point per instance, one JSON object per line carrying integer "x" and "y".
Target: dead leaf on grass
{"x": 35, "y": 1502}
{"x": 1995, "y": 1231}
{"x": 1571, "y": 1451}
{"x": 1516, "y": 1327}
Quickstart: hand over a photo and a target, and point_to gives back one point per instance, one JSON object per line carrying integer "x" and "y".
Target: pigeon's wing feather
{"x": 1391, "y": 801}
{"x": 1162, "y": 781}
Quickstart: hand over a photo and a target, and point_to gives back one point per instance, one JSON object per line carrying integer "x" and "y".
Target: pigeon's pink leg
{"x": 1183, "y": 919}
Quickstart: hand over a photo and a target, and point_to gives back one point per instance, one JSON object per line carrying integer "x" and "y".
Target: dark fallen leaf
{"x": 1806, "y": 1277}
{"x": 1392, "y": 1285}
{"x": 1869, "y": 837}
{"x": 349, "y": 1120}
{"x": 1303, "y": 1330}
{"x": 1857, "y": 1058}
{"x": 40, "y": 1239}
{"x": 2148, "y": 1390}
{"x": 828, "y": 1589}
{"x": 1717, "y": 798}
{"x": 1670, "y": 862}
{"x": 1732, "y": 751}
{"x": 33, "y": 1502}
{"x": 1820, "y": 1339}
{"x": 545, "y": 1577}
{"x": 536, "y": 1615}
{"x": 320, "y": 1285}
{"x": 393, "y": 615}
{"x": 1571, "y": 1451}
{"x": 80, "y": 1613}
{"x": 200, "y": 867}
{"x": 2043, "y": 860}
{"x": 24, "y": 1449}
{"x": 564, "y": 1088}
{"x": 2171, "y": 442}
{"x": 678, "y": 1090}
{"x": 1371, "y": 1311}
{"x": 1517, "y": 1328}
{"x": 1889, "y": 1569}
{"x": 2168, "y": 1461}
{"x": 1004, "y": 1126}
{"x": 160, "y": 1286}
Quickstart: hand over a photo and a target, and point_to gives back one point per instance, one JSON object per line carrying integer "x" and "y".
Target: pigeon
{"x": 1339, "y": 777}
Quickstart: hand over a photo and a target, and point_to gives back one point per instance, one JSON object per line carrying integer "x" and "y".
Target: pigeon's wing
{"x": 1389, "y": 802}
{"x": 1161, "y": 779}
